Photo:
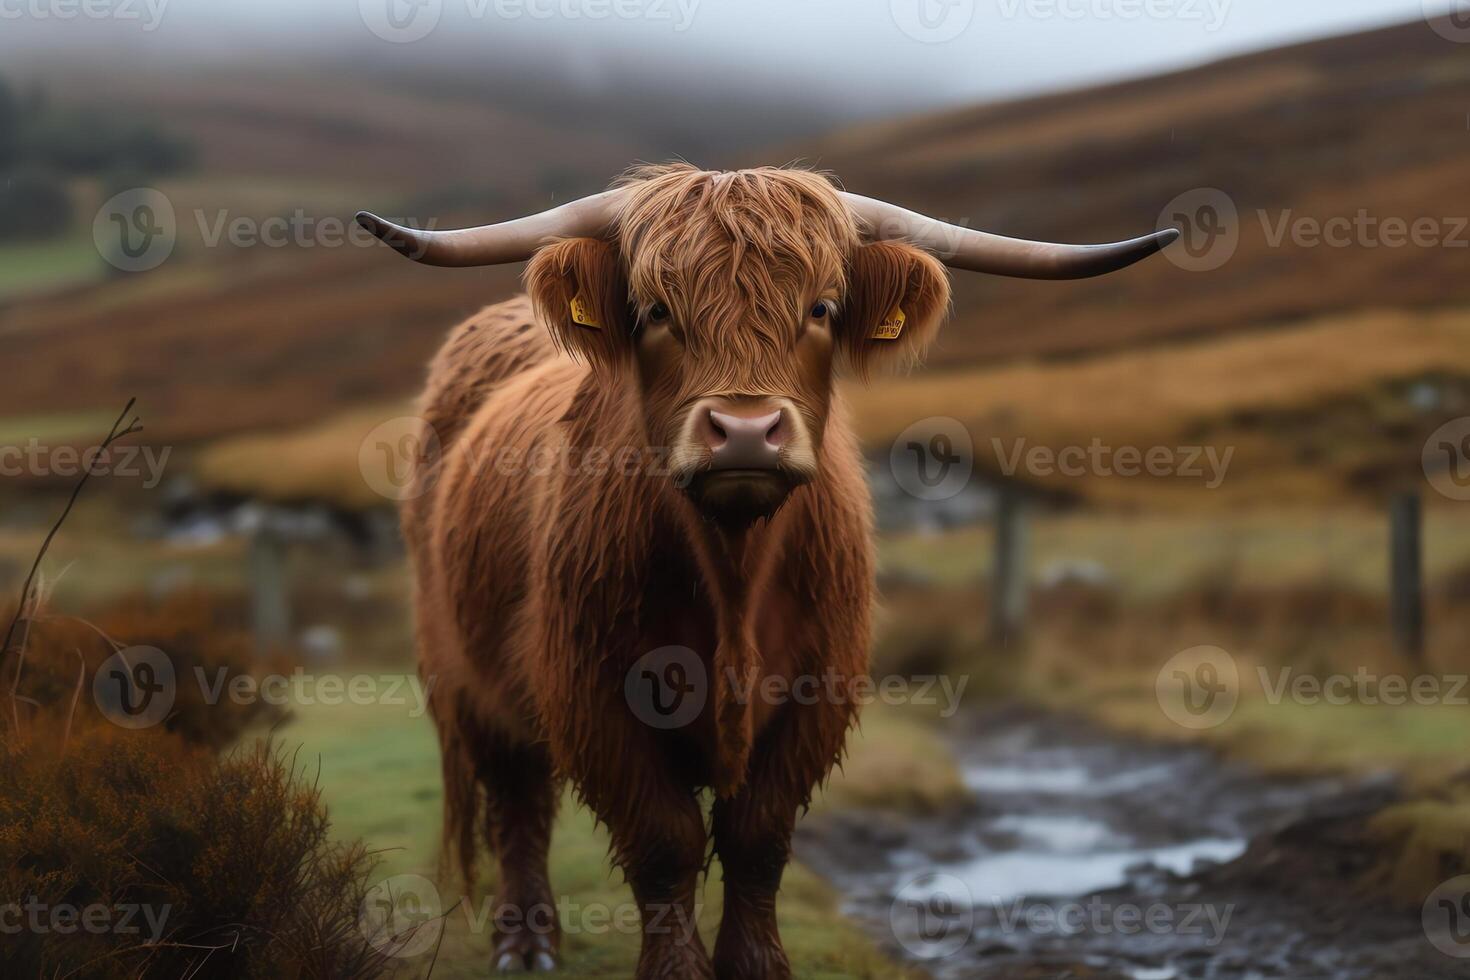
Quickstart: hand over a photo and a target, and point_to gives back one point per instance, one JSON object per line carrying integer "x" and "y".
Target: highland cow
{"x": 675, "y": 369}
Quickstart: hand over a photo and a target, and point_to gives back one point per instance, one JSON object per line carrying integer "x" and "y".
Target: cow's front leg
{"x": 753, "y": 828}
{"x": 753, "y": 840}
{"x": 659, "y": 842}
{"x": 752, "y": 836}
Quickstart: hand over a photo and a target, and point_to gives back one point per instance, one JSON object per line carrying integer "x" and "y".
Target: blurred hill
{"x": 354, "y": 128}
{"x": 232, "y": 341}
{"x": 223, "y": 339}
{"x": 1374, "y": 121}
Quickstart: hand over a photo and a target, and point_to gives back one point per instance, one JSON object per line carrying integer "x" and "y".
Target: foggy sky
{"x": 865, "y": 57}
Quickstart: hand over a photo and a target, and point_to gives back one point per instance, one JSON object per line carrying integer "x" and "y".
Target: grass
{"x": 380, "y": 778}
{"x": 897, "y": 760}
{"x": 1424, "y": 743}
{"x": 92, "y": 564}
{"x": 1430, "y": 841}
{"x": 99, "y": 559}
{"x": 320, "y": 462}
{"x": 1147, "y": 555}
{"x": 37, "y": 266}
{"x": 64, "y": 428}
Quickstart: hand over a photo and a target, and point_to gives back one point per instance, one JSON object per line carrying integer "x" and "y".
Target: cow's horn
{"x": 977, "y": 251}
{"x": 508, "y": 241}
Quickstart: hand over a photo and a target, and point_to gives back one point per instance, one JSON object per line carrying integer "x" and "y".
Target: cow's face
{"x": 728, "y": 300}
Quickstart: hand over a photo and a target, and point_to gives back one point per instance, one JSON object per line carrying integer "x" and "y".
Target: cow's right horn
{"x": 977, "y": 251}
{"x": 508, "y": 241}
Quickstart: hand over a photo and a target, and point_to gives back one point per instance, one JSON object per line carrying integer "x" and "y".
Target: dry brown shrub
{"x": 231, "y": 857}
{"x": 200, "y": 634}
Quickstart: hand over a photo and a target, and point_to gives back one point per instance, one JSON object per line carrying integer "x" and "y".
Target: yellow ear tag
{"x": 582, "y": 313}
{"x": 890, "y": 326}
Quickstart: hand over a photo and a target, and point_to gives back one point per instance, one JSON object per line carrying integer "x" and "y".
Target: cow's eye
{"x": 658, "y": 313}
{"x": 819, "y": 310}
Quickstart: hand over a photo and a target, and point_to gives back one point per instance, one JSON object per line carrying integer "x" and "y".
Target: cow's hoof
{"x": 524, "y": 954}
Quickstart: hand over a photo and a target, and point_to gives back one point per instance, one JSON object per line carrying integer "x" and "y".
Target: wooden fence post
{"x": 1008, "y": 584}
{"x": 1406, "y": 570}
{"x": 270, "y": 614}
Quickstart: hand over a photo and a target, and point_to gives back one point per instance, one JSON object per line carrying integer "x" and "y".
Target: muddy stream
{"x": 1082, "y": 854}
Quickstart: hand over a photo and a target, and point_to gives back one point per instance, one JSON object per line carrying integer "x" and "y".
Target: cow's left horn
{"x": 508, "y": 241}
{"x": 977, "y": 251}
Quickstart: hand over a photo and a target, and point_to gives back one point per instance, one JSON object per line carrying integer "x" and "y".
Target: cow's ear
{"x": 581, "y": 296}
{"x": 897, "y": 295}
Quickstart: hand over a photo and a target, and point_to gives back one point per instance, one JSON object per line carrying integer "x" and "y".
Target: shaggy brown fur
{"x": 544, "y": 572}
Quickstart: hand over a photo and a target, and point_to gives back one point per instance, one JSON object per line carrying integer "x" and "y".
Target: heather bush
{"x": 176, "y": 850}
{"x": 200, "y": 634}
{"x": 135, "y": 854}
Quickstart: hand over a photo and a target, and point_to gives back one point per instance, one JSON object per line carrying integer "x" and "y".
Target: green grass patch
{"x": 1424, "y": 743}
{"x": 379, "y": 773}
{"x": 57, "y": 428}
{"x": 35, "y": 266}
{"x": 1426, "y": 842}
{"x": 897, "y": 761}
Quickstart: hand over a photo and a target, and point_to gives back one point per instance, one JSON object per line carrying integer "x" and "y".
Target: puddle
{"x": 1057, "y": 833}
{"x": 1064, "y": 781}
{"x": 1054, "y": 874}
{"x": 1085, "y": 855}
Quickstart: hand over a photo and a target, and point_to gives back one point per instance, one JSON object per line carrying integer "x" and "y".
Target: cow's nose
{"x": 744, "y": 442}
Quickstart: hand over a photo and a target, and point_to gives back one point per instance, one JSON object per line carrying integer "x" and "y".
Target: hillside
{"x": 223, "y": 342}
{"x": 1374, "y": 122}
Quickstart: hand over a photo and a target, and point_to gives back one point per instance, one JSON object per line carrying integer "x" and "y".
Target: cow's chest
{"x": 684, "y": 620}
